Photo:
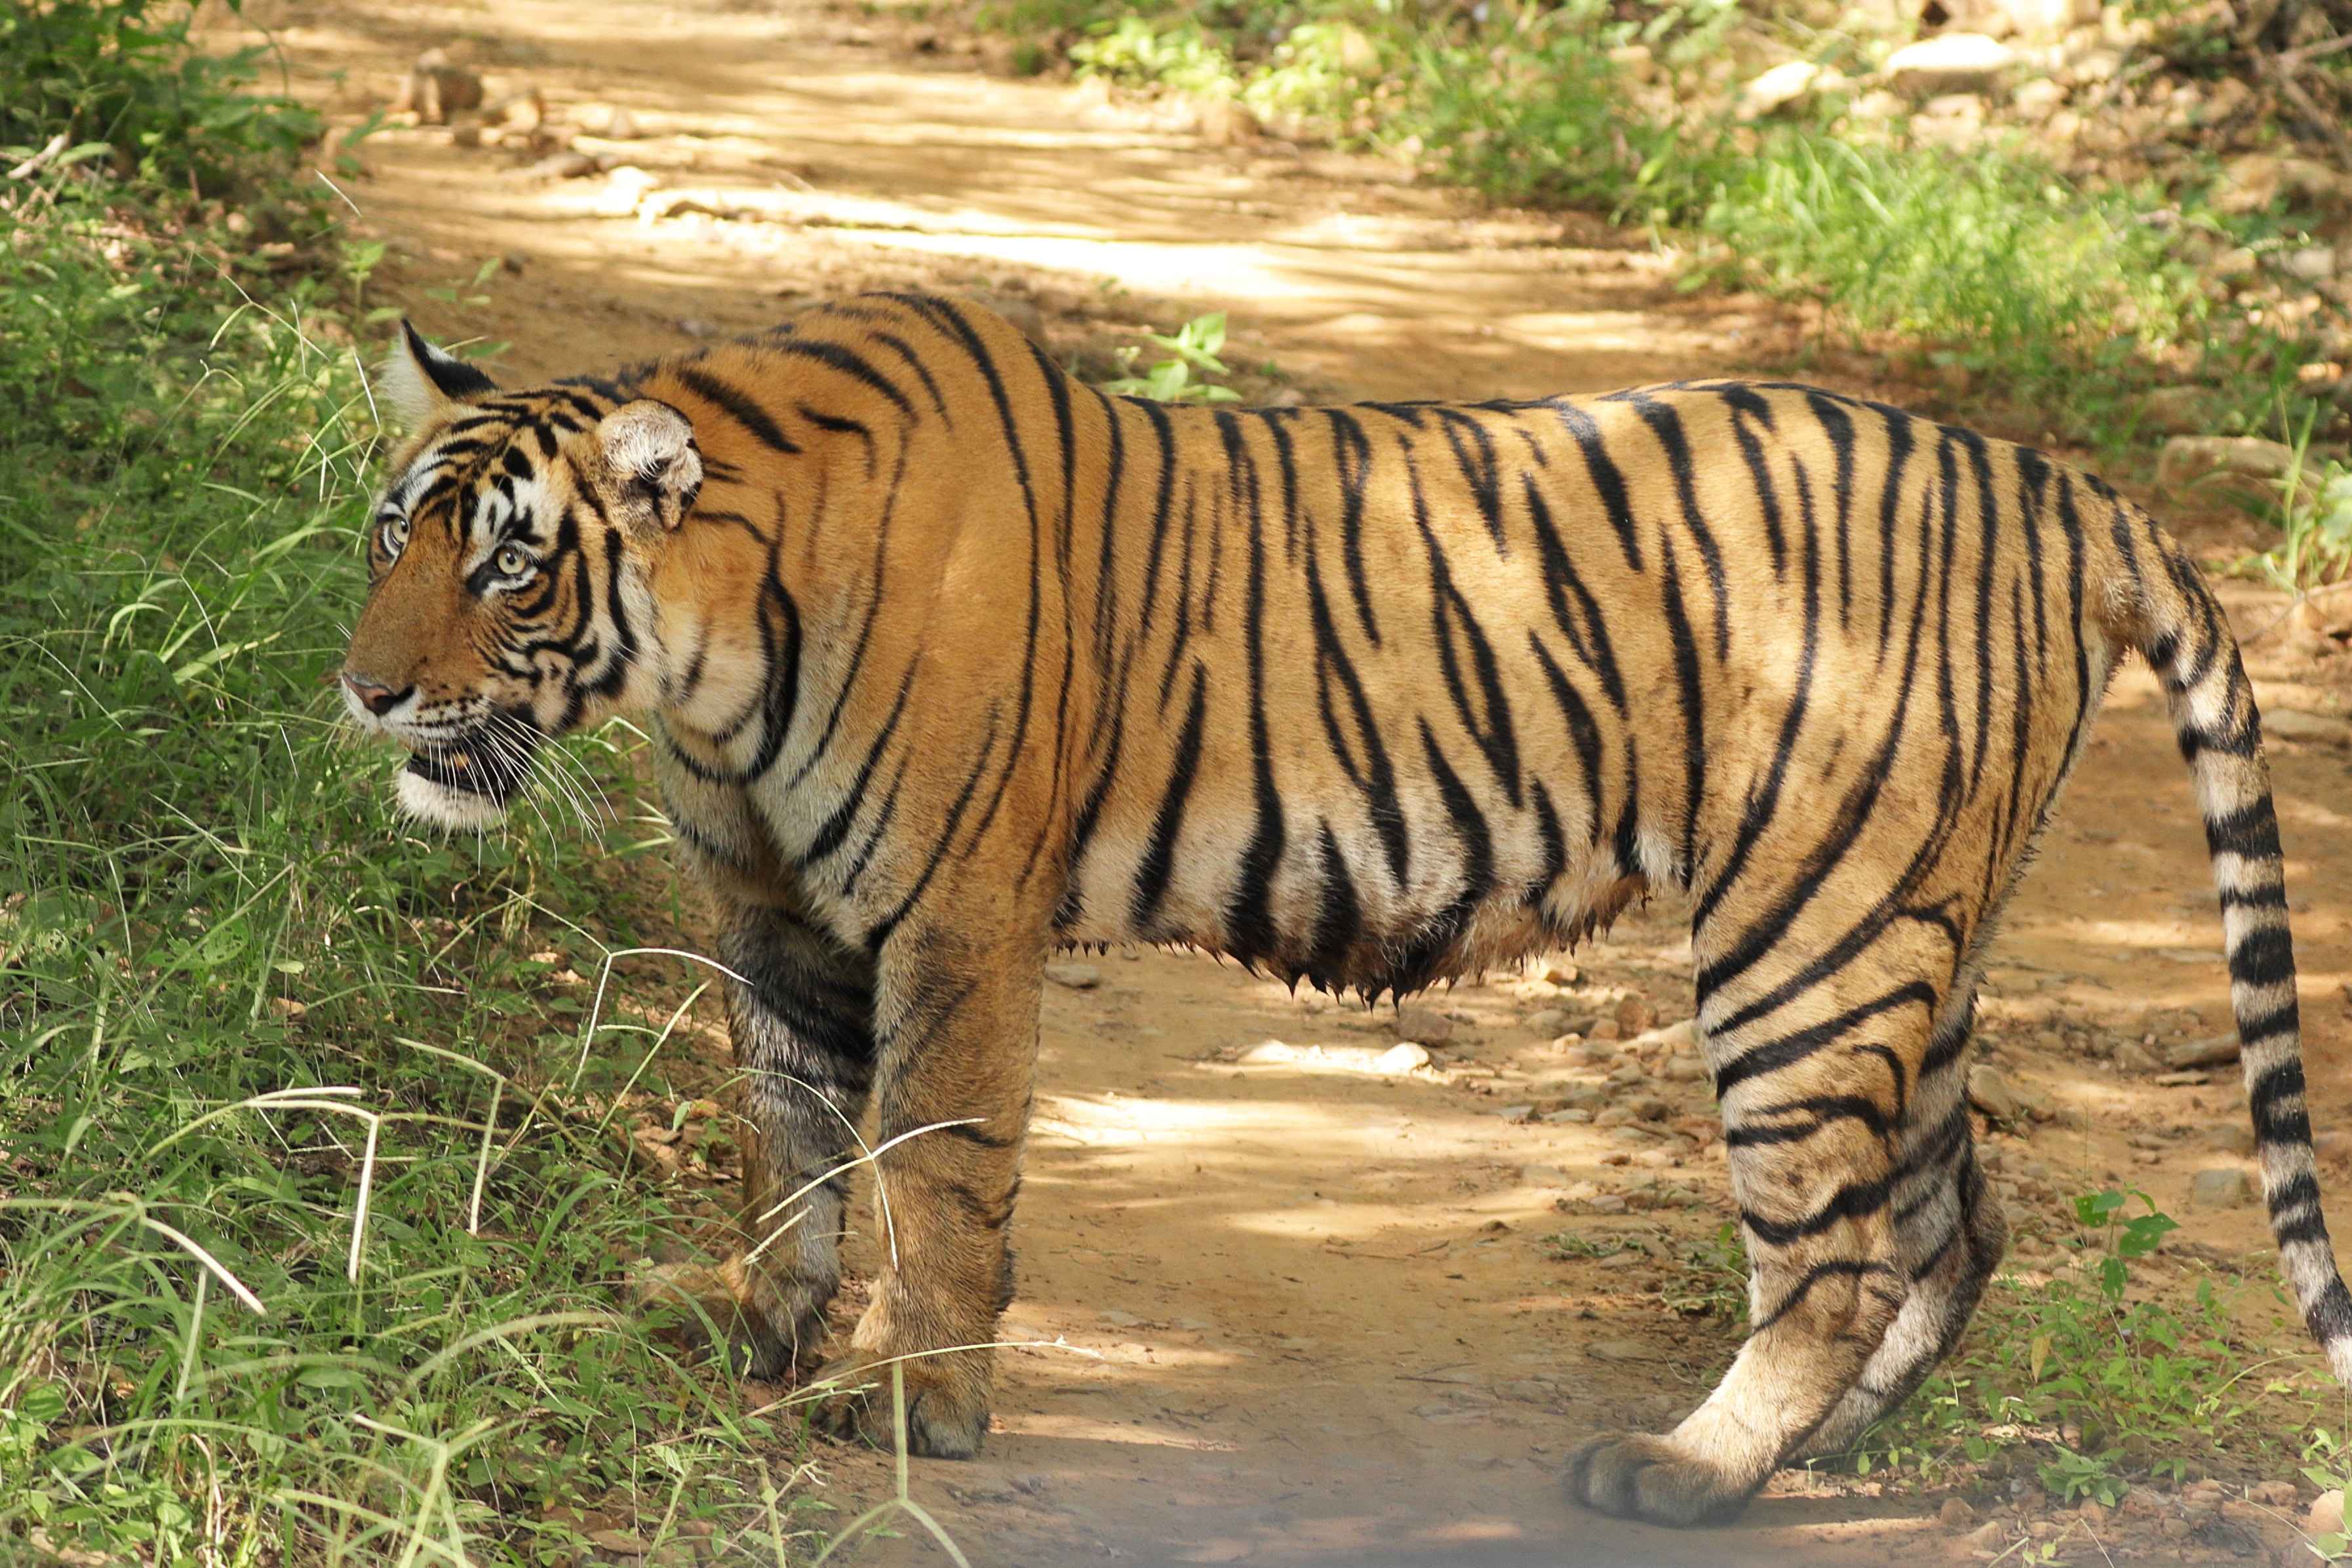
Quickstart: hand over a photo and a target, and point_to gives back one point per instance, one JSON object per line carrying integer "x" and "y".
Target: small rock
{"x": 2032, "y": 18}
{"x": 1076, "y": 976}
{"x": 1673, "y": 1039}
{"x": 2187, "y": 459}
{"x": 2249, "y": 184}
{"x": 1402, "y": 1058}
{"x": 1634, "y": 62}
{"x": 2177, "y": 410}
{"x": 1267, "y": 1051}
{"x": 2182, "y": 1080}
{"x": 2133, "y": 1057}
{"x": 2094, "y": 1512}
{"x": 1544, "y": 1176}
{"x": 1527, "y": 1390}
{"x": 1574, "y": 1113}
{"x": 2220, "y": 1187}
{"x": 435, "y": 90}
{"x": 1991, "y": 1092}
{"x": 1548, "y": 1023}
{"x": 2312, "y": 264}
{"x": 1650, "y": 1108}
{"x": 1517, "y": 1112}
{"x": 2230, "y": 1137}
{"x": 523, "y": 113}
{"x": 620, "y": 1542}
{"x": 2238, "y": 261}
{"x": 1956, "y": 1514}
{"x": 1949, "y": 62}
{"x": 1683, "y": 1069}
{"x": 1423, "y": 1026}
{"x": 626, "y": 188}
{"x": 1789, "y": 82}
{"x": 2325, "y": 1516}
{"x": 2274, "y": 1494}
{"x": 1992, "y": 1535}
{"x": 622, "y": 126}
{"x": 2292, "y": 725}
{"x": 1618, "y": 1349}
{"x": 288, "y": 1008}
{"x": 1614, "y": 1116}
{"x": 2039, "y": 98}
{"x": 1558, "y": 971}
{"x": 1119, "y": 1319}
{"x": 1877, "y": 106}
{"x": 2205, "y": 1053}
{"x": 1628, "y": 1074}
{"x": 1225, "y": 124}
{"x": 1031, "y": 1485}
{"x": 1634, "y": 1015}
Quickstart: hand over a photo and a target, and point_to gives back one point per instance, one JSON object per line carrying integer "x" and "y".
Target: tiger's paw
{"x": 1635, "y": 1475}
{"x": 762, "y": 1329}
{"x": 947, "y": 1401}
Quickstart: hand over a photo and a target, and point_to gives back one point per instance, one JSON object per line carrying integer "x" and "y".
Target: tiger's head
{"x": 509, "y": 564}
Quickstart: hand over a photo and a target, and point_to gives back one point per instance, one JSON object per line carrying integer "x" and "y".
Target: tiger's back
{"x": 955, "y": 659}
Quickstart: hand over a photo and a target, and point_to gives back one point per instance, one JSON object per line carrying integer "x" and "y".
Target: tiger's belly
{"x": 1312, "y": 886}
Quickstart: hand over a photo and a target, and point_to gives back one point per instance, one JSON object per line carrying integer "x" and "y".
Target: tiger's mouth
{"x": 467, "y": 782}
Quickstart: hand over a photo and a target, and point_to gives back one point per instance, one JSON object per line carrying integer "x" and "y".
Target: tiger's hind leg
{"x": 1950, "y": 1237}
{"x": 1813, "y": 1061}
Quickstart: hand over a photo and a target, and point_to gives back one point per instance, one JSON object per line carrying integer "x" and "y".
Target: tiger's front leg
{"x": 800, "y": 1008}
{"x": 957, "y": 1020}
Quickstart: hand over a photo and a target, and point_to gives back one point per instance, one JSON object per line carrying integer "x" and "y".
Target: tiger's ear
{"x": 421, "y": 382}
{"x": 651, "y": 460}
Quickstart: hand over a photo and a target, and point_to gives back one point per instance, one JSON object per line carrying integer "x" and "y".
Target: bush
{"x": 118, "y": 80}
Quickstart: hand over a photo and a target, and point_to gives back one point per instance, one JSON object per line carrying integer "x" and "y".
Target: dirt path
{"x": 1311, "y": 1314}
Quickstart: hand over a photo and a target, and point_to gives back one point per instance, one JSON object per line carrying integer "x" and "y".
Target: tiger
{"x": 951, "y": 661}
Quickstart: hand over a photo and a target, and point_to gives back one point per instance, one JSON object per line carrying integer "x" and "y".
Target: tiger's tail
{"x": 2180, "y": 629}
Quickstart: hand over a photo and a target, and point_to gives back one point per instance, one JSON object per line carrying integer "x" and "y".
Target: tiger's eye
{"x": 394, "y": 535}
{"x": 511, "y": 563}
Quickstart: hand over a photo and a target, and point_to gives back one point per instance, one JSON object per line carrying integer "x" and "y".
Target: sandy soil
{"x": 1306, "y": 1309}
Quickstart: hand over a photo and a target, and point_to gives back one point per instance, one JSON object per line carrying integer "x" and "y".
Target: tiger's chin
{"x": 462, "y": 785}
{"x": 446, "y": 805}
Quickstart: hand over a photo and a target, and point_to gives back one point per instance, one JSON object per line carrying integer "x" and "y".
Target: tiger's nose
{"x": 377, "y": 699}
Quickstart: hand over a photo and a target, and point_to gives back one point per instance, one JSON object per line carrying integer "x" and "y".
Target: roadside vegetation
{"x": 297, "y": 1261}
{"x": 2107, "y": 227}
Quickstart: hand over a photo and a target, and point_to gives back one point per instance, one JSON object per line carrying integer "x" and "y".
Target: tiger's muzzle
{"x": 470, "y": 781}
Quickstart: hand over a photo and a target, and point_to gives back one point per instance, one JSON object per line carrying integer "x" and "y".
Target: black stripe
{"x": 732, "y": 402}
{"x": 1160, "y": 856}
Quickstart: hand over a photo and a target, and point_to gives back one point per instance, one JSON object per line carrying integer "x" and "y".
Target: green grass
{"x": 308, "y": 1249}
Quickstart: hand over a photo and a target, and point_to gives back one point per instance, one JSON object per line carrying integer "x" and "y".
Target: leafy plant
{"x": 2090, "y": 1381}
{"x": 1192, "y": 352}
{"x": 118, "y": 79}
{"x": 1714, "y": 1279}
{"x": 1563, "y": 1246}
